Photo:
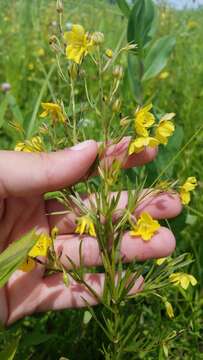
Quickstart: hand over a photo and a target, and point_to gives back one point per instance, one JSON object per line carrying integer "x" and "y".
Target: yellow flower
{"x": 169, "y": 309}
{"x": 191, "y": 24}
{"x": 31, "y": 66}
{"x": 40, "y": 52}
{"x": 145, "y": 227}
{"x": 32, "y": 145}
{"x": 79, "y": 43}
{"x": 143, "y": 120}
{"x": 189, "y": 185}
{"x": 164, "y": 75}
{"x": 183, "y": 279}
{"x": 109, "y": 53}
{"x": 85, "y": 225}
{"x": 138, "y": 144}
{"x": 39, "y": 249}
{"x": 161, "y": 261}
{"x": 165, "y": 128}
{"x": 54, "y": 110}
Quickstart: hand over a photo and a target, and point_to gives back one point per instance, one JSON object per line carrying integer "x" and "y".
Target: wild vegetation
{"x": 34, "y": 70}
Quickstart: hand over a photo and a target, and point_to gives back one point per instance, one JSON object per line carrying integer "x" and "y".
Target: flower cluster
{"x": 35, "y": 144}
{"x": 143, "y": 122}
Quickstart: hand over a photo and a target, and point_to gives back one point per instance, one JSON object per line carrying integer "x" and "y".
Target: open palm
{"x": 24, "y": 178}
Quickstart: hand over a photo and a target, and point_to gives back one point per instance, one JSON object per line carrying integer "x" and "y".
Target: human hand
{"x": 24, "y": 178}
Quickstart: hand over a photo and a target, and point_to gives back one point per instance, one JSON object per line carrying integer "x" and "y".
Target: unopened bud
{"x": 59, "y": 6}
{"x": 118, "y": 72}
{"x": 109, "y": 53}
{"x": 98, "y": 38}
{"x": 44, "y": 129}
{"x": 116, "y": 105}
{"x": 54, "y": 232}
{"x": 52, "y": 40}
{"x": 73, "y": 71}
{"x": 124, "y": 121}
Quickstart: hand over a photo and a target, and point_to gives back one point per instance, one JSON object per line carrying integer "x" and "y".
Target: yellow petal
{"x": 41, "y": 247}
{"x": 193, "y": 281}
{"x": 184, "y": 282}
{"x": 92, "y": 230}
{"x": 185, "y": 197}
{"x": 44, "y": 114}
{"x": 169, "y": 310}
{"x": 28, "y": 265}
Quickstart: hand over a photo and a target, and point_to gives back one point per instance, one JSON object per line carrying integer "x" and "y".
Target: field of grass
{"x": 28, "y": 64}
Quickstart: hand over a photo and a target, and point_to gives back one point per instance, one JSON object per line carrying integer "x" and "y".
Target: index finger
{"x": 119, "y": 151}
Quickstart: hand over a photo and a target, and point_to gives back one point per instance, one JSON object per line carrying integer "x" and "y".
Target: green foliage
{"x": 157, "y": 57}
{"x": 152, "y": 55}
{"x": 182, "y": 93}
{"x": 14, "y": 255}
{"x": 123, "y": 5}
{"x": 140, "y": 22}
{"x": 10, "y": 349}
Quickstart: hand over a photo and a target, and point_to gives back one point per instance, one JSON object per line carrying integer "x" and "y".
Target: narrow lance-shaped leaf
{"x": 14, "y": 255}
{"x": 10, "y": 350}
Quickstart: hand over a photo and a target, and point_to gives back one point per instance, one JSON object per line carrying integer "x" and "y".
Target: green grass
{"x": 25, "y": 27}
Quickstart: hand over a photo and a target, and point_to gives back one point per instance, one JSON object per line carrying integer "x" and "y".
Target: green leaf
{"x": 14, "y": 255}
{"x": 36, "y": 338}
{"x": 124, "y": 7}
{"x": 3, "y": 108}
{"x": 9, "y": 352}
{"x": 140, "y": 23}
{"x": 157, "y": 56}
{"x": 31, "y": 126}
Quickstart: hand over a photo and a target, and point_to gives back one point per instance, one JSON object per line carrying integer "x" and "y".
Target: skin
{"x": 24, "y": 178}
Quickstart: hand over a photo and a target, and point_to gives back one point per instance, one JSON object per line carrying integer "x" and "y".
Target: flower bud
{"x": 54, "y": 232}
{"x": 73, "y": 71}
{"x": 118, "y": 72}
{"x": 116, "y": 105}
{"x": 52, "y": 40}
{"x": 59, "y": 6}
{"x": 109, "y": 53}
{"x": 44, "y": 129}
{"x": 98, "y": 38}
{"x": 124, "y": 121}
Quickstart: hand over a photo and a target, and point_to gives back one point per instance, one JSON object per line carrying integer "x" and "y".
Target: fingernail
{"x": 82, "y": 145}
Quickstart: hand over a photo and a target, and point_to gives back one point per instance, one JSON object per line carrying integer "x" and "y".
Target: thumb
{"x": 24, "y": 173}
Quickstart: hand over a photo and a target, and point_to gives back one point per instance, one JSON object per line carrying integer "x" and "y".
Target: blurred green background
{"x": 28, "y": 65}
